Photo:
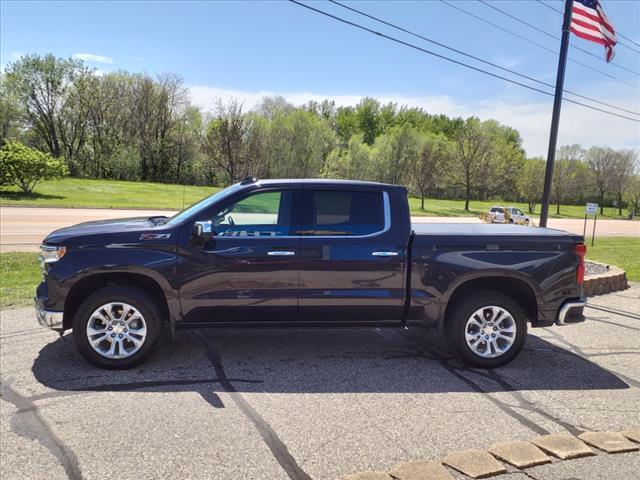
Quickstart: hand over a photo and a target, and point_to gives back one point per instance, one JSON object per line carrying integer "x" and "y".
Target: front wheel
{"x": 487, "y": 328}
{"x": 117, "y": 327}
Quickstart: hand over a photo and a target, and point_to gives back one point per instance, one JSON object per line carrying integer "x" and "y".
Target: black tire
{"x": 137, "y": 299}
{"x": 462, "y": 311}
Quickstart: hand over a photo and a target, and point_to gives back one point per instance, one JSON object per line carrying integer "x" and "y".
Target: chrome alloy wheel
{"x": 490, "y": 332}
{"x": 116, "y": 330}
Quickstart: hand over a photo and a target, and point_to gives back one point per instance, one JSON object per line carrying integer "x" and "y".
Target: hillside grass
{"x": 20, "y": 272}
{"x": 87, "y": 193}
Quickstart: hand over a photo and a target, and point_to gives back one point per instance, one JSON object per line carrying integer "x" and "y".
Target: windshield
{"x": 497, "y": 210}
{"x": 203, "y": 204}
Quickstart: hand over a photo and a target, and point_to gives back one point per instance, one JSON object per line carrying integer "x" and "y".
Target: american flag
{"x": 588, "y": 21}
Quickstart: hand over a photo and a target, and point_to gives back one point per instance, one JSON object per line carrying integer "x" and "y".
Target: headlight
{"x": 50, "y": 254}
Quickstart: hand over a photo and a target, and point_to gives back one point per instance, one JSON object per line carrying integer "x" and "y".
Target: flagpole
{"x": 555, "y": 118}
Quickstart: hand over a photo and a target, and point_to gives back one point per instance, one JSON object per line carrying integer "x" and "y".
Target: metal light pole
{"x": 555, "y": 118}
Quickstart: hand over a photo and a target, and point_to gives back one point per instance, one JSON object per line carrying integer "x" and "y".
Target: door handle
{"x": 281, "y": 253}
{"x": 385, "y": 254}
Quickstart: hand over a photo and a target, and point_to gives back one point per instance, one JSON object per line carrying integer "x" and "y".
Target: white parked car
{"x": 508, "y": 215}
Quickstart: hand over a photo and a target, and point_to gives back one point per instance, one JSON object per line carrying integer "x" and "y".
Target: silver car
{"x": 508, "y": 215}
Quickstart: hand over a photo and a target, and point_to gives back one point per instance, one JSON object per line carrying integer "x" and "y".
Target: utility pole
{"x": 555, "y": 118}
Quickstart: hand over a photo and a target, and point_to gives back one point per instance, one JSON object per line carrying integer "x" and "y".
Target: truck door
{"x": 248, "y": 271}
{"x": 351, "y": 268}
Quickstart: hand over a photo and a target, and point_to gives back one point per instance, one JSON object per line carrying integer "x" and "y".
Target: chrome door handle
{"x": 281, "y": 253}
{"x": 385, "y": 254}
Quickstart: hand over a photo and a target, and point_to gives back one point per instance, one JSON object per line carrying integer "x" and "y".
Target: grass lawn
{"x": 623, "y": 252}
{"x": 455, "y": 208}
{"x": 81, "y": 192}
{"x": 19, "y": 276}
{"x": 20, "y": 272}
{"x": 76, "y": 192}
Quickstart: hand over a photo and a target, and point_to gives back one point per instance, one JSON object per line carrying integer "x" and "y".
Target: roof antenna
{"x": 248, "y": 180}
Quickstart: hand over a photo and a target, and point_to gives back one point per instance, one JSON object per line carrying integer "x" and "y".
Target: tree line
{"x": 138, "y": 127}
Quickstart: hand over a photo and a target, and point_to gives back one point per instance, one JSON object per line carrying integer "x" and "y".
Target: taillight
{"x": 581, "y": 252}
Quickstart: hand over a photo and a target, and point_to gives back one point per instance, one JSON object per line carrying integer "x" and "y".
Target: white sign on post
{"x": 591, "y": 208}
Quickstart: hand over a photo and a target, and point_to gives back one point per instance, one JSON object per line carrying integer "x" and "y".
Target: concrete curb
{"x": 483, "y": 464}
{"x": 612, "y": 281}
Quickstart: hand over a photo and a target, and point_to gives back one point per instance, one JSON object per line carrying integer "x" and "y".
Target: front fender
{"x": 81, "y": 264}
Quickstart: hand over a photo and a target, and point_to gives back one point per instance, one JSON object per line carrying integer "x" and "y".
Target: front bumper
{"x": 49, "y": 318}
{"x": 571, "y": 312}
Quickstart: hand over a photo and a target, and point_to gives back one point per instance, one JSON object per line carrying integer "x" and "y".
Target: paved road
{"x": 309, "y": 404}
{"x": 23, "y": 228}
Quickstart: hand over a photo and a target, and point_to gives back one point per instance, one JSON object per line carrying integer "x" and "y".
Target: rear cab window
{"x": 343, "y": 213}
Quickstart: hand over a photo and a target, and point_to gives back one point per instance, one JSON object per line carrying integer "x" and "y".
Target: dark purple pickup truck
{"x": 306, "y": 253}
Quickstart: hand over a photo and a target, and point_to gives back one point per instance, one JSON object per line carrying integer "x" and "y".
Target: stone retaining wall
{"x": 613, "y": 280}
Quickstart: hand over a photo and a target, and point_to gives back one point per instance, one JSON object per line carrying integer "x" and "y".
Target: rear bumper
{"x": 572, "y": 311}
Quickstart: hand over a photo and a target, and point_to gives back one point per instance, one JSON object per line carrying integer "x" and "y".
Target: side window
{"x": 263, "y": 214}
{"x": 343, "y": 213}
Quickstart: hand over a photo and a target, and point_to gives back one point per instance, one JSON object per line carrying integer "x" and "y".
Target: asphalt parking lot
{"x": 310, "y": 404}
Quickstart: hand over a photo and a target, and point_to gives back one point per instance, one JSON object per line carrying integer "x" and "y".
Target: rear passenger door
{"x": 350, "y": 267}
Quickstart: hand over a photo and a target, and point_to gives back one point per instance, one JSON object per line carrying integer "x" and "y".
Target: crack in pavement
{"x": 455, "y": 371}
{"x": 523, "y": 403}
{"x": 276, "y": 445}
{"x": 527, "y": 404}
{"x": 132, "y": 386}
{"x": 27, "y": 422}
{"x": 582, "y": 353}
{"x": 598, "y": 320}
{"x": 615, "y": 311}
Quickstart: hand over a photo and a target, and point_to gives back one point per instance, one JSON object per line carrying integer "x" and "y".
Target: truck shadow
{"x": 319, "y": 361}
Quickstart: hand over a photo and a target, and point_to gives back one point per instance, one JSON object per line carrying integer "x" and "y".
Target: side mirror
{"x": 202, "y": 230}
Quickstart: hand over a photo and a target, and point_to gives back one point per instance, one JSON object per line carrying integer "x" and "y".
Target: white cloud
{"x": 91, "y": 57}
{"x": 531, "y": 119}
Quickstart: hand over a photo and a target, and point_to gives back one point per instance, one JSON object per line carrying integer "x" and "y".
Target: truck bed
{"x": 428, "y": 233}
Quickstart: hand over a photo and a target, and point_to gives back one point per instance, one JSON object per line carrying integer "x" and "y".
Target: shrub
{"x": 25, "y": 167}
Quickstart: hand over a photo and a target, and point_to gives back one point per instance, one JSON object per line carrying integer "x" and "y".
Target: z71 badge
{"x": 155, "y": 236}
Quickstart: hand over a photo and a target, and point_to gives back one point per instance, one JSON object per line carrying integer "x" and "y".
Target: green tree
{"x": 499, "y": 177}
{"x": 625, "y": 162}
{"x": 10, "y": 112}
{"x": 25, "y": 167}
{"x": 367, "y": 114}
{"x": 346, "y": 124}
{"x": 41, "y": 84}
{"x": 602, "y": 167}
{"x": 473, "y": 158}
{"x": 224, "y": 141}
{"x": 530, "y": 182}
{"x": 565, "y": 172}
{"x": 354, "y": 162}
{"x": 427, "y": 169}
{"x": 633, "y": 195}
{"x": 395, "y": 152}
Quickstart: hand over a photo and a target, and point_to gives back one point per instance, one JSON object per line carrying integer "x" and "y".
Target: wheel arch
{"x": 517, "y": 288}
{"x": 91, "y": 283}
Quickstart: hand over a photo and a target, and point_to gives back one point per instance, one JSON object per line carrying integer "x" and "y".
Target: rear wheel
{"x": 117, "y": 327}
{"x": 487, "y": 328}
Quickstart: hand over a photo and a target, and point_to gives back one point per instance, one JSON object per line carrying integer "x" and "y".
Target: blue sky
{"x": 248, "y": 49}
